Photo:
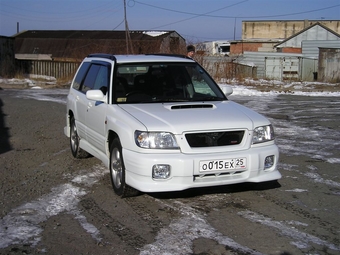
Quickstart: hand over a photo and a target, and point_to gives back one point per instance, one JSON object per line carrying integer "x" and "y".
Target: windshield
{"x": 164, "y": 82}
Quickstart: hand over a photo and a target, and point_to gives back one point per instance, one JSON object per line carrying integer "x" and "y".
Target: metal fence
{"x": 219, "y": 68}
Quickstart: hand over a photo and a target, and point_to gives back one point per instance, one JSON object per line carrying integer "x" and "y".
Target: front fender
{"x": 124, "y": 125}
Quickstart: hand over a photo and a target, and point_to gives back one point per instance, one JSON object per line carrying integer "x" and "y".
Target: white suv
{"x": 161, "y": 123}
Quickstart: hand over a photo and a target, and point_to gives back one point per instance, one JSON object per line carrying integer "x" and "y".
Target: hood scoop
{"x": 191, "y": 106}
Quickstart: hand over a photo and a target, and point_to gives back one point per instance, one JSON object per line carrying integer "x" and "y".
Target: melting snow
{"x": 301, "y": 239}
{"x": 297, "y": 190}
{"x": 21, "y": 225}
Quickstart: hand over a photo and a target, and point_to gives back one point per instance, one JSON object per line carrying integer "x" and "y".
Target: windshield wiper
{"x": 170, "y": 100}
{"x": 176, "y": 100}
{"x": 207, "y": 98}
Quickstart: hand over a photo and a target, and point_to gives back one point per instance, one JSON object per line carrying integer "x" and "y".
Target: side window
{"x": 97, "y": 78}
{"x": 90, "y": 78}
{"x": 80, "y": 75}
{"x": 102, "y": 80}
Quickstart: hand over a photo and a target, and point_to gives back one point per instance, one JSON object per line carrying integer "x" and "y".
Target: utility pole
{"x": 127, "y": 33}
{"x": 234, "y": 28}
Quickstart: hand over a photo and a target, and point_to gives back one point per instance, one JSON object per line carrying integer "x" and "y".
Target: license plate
{"x": 220, "y": 165}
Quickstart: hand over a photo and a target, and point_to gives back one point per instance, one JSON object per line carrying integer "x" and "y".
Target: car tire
{"x": 117, "y": 171}
{"x": 77, "y": 152}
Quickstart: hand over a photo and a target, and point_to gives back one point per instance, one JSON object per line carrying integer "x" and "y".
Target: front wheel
{"x": 77, "y": 152}
{"x": 117, "y": 171}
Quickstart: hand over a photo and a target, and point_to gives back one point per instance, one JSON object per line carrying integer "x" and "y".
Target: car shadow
{"x": 4, "y": 132}
{"x": 231, "y": 188}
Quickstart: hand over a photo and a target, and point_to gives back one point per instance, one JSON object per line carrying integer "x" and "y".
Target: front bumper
{"x": 185, "y": 172}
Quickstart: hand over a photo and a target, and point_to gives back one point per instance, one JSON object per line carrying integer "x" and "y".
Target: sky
{"x": 195, "y": 20}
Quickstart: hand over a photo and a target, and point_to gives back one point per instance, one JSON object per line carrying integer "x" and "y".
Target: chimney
{"x": 305, "y": 23}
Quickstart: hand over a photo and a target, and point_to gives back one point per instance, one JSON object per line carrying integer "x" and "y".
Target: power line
{"x": 208, "y": 14}
{"x": 233, "y": 17}
{"x": 119, "y": 24}
{"x": 200, "y": 15}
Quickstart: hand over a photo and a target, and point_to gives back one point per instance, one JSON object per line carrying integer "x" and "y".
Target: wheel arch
{"x": 70, "y": 114}
{"x": 110, "y": 137}
{"x": 68, "y": 117}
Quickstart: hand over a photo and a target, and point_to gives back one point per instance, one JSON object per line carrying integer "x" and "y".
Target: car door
{"x": 78, "y": 97}
{"x": 99, "y": 77}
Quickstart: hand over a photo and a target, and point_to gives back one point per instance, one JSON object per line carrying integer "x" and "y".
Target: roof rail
{"x": 168, "y": 55}
{"x": 102, "y": 55}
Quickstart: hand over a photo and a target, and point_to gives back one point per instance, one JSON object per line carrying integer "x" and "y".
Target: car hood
{"x": 198, "y": 116}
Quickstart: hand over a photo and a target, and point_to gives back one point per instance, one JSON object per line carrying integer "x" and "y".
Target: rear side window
{"x": 80, "y": 75}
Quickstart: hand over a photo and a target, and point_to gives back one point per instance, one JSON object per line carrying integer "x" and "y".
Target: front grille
{"x": 214, "y": 138}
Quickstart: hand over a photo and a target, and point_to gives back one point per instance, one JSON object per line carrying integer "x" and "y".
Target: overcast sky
{"x": 195, "y": 20}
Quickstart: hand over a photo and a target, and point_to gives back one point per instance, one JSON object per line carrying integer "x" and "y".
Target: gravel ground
{"x": 52, "y": 203}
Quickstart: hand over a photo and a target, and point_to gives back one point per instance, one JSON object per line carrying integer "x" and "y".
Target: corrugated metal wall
{"x": 258, "y": 59}
{"x": 307, "y": 69}
{"x": 282, "y": 68}
{"x": 310, "y": 49}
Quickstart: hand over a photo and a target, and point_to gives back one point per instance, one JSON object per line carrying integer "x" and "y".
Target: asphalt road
{"x": 51, "y": 203}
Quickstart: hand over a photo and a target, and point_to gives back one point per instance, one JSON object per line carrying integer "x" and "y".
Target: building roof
{"x": 91, "y": 34}
{"x": 292, "y": 20}
{"x": 76, "y": 44}
{"x": 317, "y": 35}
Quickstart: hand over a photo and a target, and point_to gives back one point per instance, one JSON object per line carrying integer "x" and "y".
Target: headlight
{"x": 263, "y": 134}
{"x": 155, "y": 140}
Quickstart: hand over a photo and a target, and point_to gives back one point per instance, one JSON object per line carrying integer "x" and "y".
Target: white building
{"x": 221, "y": 48}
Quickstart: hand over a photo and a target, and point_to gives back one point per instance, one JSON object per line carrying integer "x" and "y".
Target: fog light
{"x": 269, "y": 162}
{"x": 161, "y": 171}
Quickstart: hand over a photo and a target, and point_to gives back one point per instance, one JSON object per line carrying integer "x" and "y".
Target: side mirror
{"x": 96, "y": 95}
{"x": 227, "y": 90}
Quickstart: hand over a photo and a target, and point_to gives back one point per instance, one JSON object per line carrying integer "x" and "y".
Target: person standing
{"x": 190, "y": 51}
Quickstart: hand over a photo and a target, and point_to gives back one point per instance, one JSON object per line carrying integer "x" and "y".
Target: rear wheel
{"x": 117, "y": 171}
{"x": 77, "y": 152}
